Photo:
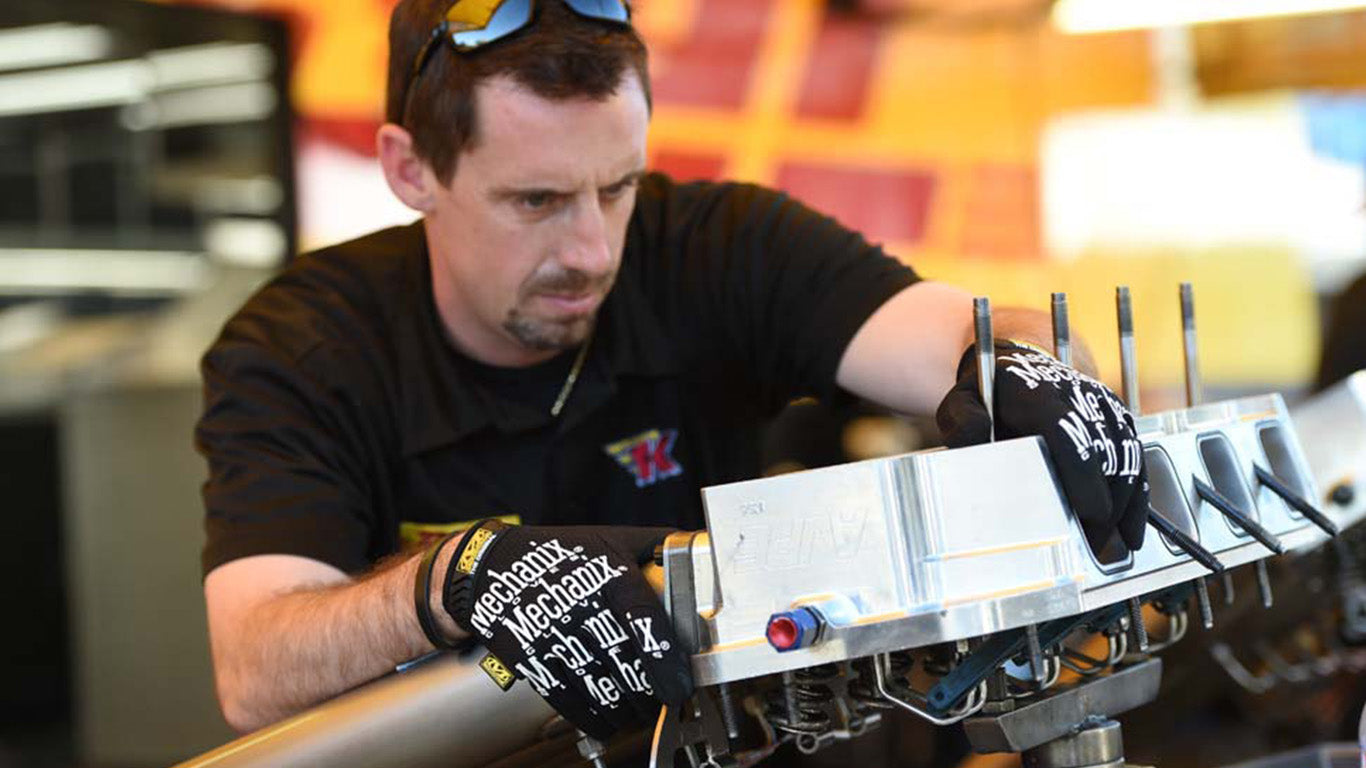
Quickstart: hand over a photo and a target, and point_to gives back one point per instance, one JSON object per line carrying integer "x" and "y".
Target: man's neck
{"x": 487, "y": 348}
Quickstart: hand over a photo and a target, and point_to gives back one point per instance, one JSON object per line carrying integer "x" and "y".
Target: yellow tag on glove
{"x": 500, "y": 674}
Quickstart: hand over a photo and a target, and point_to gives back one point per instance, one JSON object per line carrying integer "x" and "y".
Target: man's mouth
{"x": 570, "y": 303}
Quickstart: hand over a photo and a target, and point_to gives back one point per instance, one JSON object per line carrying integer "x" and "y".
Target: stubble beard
{"x": 543, "y": 334}
{"x": 546, "y": 335}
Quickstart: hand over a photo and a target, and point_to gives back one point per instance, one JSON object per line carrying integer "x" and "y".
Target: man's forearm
{"x": 1036, "y": 327}
{"x": 906, "y": 355}
{"x": 297, "y": 649}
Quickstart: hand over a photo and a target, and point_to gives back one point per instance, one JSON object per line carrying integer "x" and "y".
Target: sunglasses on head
{"x": 470, "y": 24}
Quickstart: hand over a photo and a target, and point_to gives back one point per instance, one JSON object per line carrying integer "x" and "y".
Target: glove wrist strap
{"x": 457, "y": 591}
{"x": 422, "y": 591}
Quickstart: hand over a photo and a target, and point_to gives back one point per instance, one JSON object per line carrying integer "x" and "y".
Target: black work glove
{"x": 1088, "y": 431}
{"x": 569, "y": 610}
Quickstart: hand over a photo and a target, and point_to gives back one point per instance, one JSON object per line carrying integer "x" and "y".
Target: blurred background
{"x": 159, "y": 160}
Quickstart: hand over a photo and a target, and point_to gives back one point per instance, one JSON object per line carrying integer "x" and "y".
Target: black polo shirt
{"x": 339, "y": 422}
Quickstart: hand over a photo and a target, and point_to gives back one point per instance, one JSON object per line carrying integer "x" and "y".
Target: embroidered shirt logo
{"x": 648, "y": 456}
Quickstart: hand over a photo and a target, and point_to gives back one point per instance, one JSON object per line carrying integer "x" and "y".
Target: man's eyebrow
{"x": 630, "y": 178}
{"x": 530, "y": 189}
{"x": 536, "y": 189}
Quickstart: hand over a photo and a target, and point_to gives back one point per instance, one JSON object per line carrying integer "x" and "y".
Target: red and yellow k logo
{"x": 648, "y": 456}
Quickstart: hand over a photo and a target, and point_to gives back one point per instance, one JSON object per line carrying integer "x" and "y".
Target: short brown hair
{"x": 558, "y": 55}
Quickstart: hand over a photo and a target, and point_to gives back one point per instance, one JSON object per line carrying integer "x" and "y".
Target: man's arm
{"x": 288, "y": 632}
{"x": 906, "y": 355}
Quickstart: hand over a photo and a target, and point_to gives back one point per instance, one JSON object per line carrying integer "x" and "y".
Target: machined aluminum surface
{"x": 1332, "y": 429}
{"x": 436, "y": 715}
{"x": 942, "y": 545}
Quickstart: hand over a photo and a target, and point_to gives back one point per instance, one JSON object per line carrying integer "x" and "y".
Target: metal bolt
{"x": 1202, "y": 599}
{"x": 592, "y": 750}
{"x": 728, "y": 713}
{"x": 1264, "y": 584}
{"x": 790, "y": 697}
{"x": 1342, "y": 494}
{"x": 1136, "y": 624}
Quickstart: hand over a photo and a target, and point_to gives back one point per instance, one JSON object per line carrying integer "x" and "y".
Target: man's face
{"x": 526, "y": 240}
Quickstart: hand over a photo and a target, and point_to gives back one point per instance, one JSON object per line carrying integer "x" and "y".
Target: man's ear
{"x": 408, "y": 175}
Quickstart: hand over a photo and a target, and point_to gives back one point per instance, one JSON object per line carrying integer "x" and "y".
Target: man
{"x": 1344, "y": 341}
{"x": 563, "y": 339}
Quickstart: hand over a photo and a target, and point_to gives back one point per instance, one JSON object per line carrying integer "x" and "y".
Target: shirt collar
{"x": 441, "y": 406}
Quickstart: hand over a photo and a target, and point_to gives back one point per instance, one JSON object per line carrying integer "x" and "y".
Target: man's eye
{"x": 617, "y": 190}
{"x": 535, "y": 201}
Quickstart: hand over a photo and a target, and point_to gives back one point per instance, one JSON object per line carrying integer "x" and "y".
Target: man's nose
{"x": 587, "y": 248}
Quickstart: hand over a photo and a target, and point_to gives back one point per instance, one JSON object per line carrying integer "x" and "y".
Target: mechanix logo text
{"x": 541, "y": 599}
{"x": 1084, "y": 425}
{"x": 527, "y": 622}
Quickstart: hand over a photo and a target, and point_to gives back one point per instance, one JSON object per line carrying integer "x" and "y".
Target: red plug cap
{"x": 783, "y": 633}
{"x": 790, "y": 630}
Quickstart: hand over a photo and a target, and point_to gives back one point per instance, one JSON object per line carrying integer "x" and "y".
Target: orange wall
{"x": 923, "y": 135}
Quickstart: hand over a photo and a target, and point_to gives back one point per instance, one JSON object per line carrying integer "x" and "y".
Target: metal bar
{"x": 1128, "y": 359}
{"x": 1264, "y": 584}
{"x": 986, "y": 357}
{"x": 1230, "y": 510}
{"x": 1202, "y": 600}
{"x": 1192, "y": 370}
{"x": 730, "y": 715}
{"x": 1295, "y": 500}
{"x": 880, "y": 685}
{"x": 1136, "y": 624}
{"x": 1035, "y": 653}
{"x": 403, "y": 719}
{"x": 1128, "y": 366}
{"x": 1193, "y": 387}
{"x": 1184, "y": 542}
{"x": 974, "y": 669}
{"x": 1062, "y": 335}
{"x": 992, "y": 653}
{"x": 1257, "y": 684}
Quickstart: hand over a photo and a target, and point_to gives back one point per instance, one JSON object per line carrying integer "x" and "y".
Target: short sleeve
{"x": 285, "y": 473}
{"x": 786, "y": 286}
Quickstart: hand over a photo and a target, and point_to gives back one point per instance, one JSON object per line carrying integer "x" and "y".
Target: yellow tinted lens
{"x": 471, "y": 14}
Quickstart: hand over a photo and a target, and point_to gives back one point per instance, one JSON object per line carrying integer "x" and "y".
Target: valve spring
{"x": 798, "y": 706}
{"x": 900, "y": 664}
{"x": 939, "y": 663}
{"x": 817, "y": 675}
{"x": 862, "y": 690}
